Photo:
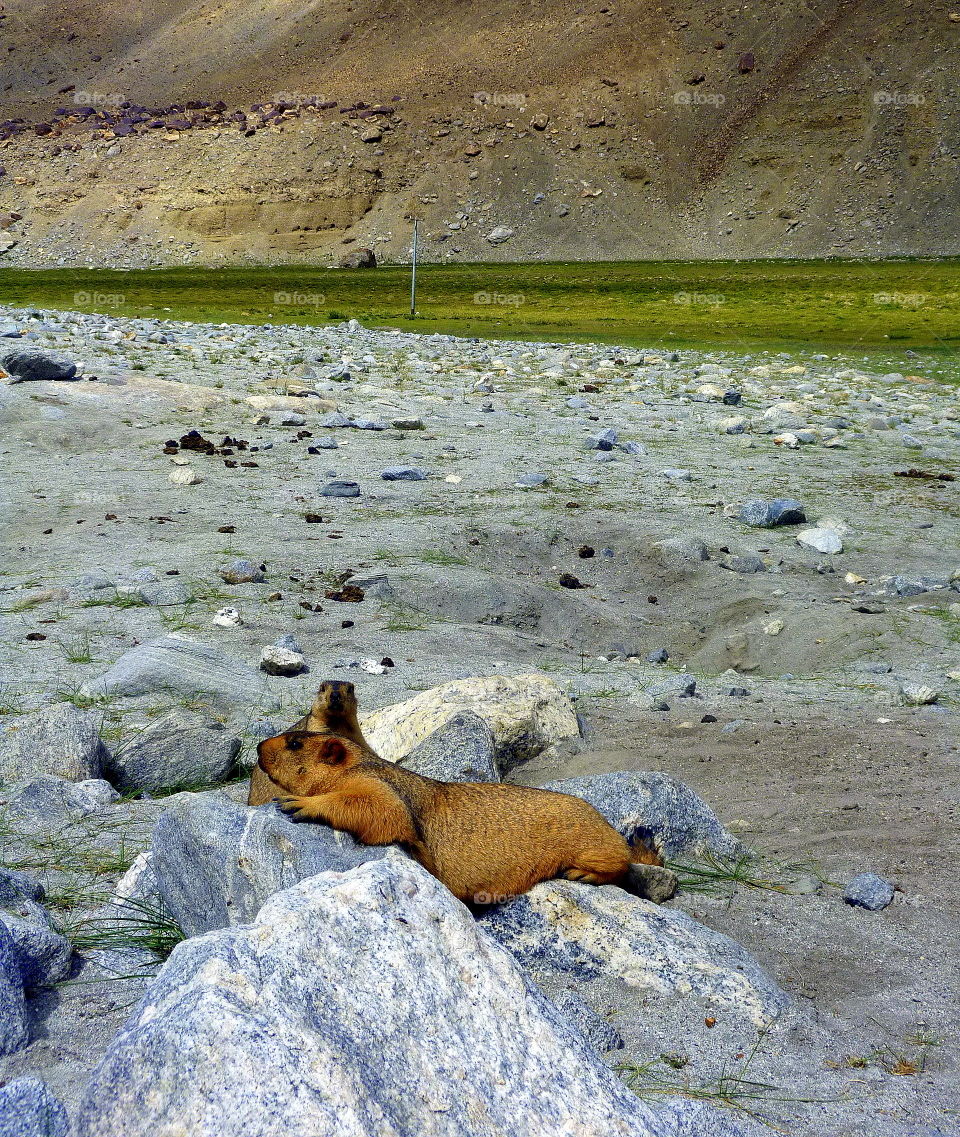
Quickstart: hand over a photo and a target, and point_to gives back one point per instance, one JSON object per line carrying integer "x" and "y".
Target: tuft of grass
{"x": 400, "y": 619}
{"x": 115, "y": 602}
{"x": 135, "y": 924}
{"x": 27, "y": 604}
{"x": 716, "y": 875}
{"x": 11, "y": 703}
{"x": 734, "y": 1089}
{"x": 77, "y": 650}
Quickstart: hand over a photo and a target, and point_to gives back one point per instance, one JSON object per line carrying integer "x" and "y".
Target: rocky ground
{"x": 742, "y": 569}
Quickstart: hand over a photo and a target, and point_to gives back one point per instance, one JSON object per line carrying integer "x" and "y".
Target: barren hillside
{"x": 260, "y": 130}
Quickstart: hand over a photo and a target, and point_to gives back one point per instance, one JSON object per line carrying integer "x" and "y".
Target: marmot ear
{"x": 332, "y": 751}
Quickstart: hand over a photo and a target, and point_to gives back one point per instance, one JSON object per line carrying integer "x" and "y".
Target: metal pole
{"x": 413, "y": 274}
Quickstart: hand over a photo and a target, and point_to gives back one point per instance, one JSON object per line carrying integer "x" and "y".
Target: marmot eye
{"x": 295, "y": 744}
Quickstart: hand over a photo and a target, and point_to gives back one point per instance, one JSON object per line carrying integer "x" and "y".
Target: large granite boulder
{"x": 60, "y": 740}
{"x": 183, "y": 666}
{"x": 216, "y": 862}
{"x": 361, "y": 1003}
{"x": 582, "y": 932}
{"x": 29, "y": 1109}
{"x": 462, "y": 750}
{"x": 654, "y": 805}
{"x": 183, "y": 748}
{"x": 14, "y": 1032}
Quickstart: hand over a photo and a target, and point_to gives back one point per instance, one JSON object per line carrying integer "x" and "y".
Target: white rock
{"x": 526, "y": 713}
{"x": 774, "y": 628}
{"x": 372, "y": 667}
{"x": 185, "y": 476}
{"x": 917, "y": 695}
{"x": 499, "y": 235}
{"x": 228, "y": 618}
{"x": 820, "y": 540}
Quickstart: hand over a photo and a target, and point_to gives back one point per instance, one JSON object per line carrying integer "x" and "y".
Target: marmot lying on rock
{"x": 334, "y": 711}
{"x": 485, "y": 842}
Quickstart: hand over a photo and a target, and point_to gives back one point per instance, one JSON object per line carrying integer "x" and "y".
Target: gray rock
{"x": 292, "y": 418}
{"x": 462, "y": 750}
{"x": 678, "y": 686}
{"x": 29, "y": 1109}
{"x": 279, "y": 1043}
{"x": 867, "y": 890}
{"x": 28, "y": 364}
{"x": 596, "y": 1030}
{"x": 403, "y": 474}
{"x": 41, "y": 954}
{"x": 577, "y": 403}
{"x": 183, "y": 748}
{"x": 290, "y": 643}
{"x": 748, "y": 564}
{"x": 654, "y": 805}
{"x": 661, "y": 655}
{"x": 335, "y": 419}
{"x": 767, "y": 514}
{"x": 61, "y": 740}
{"x": 159, "y": 595}
{"x": 176, "y": 663}
{"x": 531, "y": 480}
{"x": 49, "y": 799}
{"x": 637, "y": 449}
{"x": 14, "y": 1032}
{"x": 216, "y": 862}
{"x": 16, "y": 886}
{"x": 408, "y": 424}
{"x": 605, "y": 440}
{"x": 820, "y": 540}
{"x": 674, "y": 475}
{"x": 340, "y": 489}
{"x": 368, "y": 424}
{"x": 499, "y": 234}
{"x": 913, "y": 586}
{"x": 582, "y": 932}
{"x": 681, "y": 551}
{"x": 243, "y": 571}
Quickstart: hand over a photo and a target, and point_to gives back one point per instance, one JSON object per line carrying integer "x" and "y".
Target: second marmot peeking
{"x": 485, "y": 842}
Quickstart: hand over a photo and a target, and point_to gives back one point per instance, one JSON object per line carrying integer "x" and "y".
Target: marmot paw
{"x": 295, "y": 807}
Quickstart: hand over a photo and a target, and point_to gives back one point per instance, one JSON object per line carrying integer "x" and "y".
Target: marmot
{"x": 334, "y": 711}
{"x": 485, "y": 842}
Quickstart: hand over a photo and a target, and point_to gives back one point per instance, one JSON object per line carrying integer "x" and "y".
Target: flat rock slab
{"x": 585, "y": 932}
{"x": 436, "y": 1031}
{"x": 216, "y": 862}
{"x": 526, "y": 713}
{"x": 186, "y": 667}
{"x": 654, "y": 805}
{"x": 184, "y": 748}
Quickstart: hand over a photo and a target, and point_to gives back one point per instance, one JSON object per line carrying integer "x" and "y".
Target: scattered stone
{"x": 867, "y": 890}
{"x": 185, "y": 476}
{"x": 281, "y": 661}
{"x": 403, "y": 474}
{"x": 242, "y": 571}
{"x": 531, "y": 481}
{"x": 820, "y": 540}
{"x": 14, "y": 1032}
{"x": 340, "y": 489}
{"x": 661, "y": 655}
{"x": 748, "y": 564}
{"x": 361, "y": 257}
{"x": 767, "y": 514}
{"x": 228, "y": 618}
{"x": 500, "y": 234}
{"x": 917, "y": 695}
{"x": 408, "y": 424}
{"x": 61, "y": 740}
{"x": 182, "y": 749}
{"x": 31, "y": 365}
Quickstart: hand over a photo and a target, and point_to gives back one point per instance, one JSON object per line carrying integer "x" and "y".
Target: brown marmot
{"x": 334, "y": 711}
{"x": 485, "y": 842}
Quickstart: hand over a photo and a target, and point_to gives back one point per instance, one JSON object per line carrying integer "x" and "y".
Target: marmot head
{"x": 307, "y": 764}
{"x": 335, "y": 697}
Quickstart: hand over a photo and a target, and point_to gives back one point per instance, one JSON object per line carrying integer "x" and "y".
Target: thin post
{"x": 413, "y": 273}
